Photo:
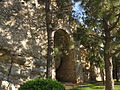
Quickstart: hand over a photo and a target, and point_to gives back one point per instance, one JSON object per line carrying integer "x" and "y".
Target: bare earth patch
{"x": 70, "y": 86}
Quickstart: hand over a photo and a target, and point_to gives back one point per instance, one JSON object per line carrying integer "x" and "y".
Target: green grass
{"x": 95, "y": 86}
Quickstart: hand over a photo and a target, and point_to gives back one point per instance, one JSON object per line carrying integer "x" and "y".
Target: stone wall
{"x": 23, "y": 41}
{"x": 15, "y": 69}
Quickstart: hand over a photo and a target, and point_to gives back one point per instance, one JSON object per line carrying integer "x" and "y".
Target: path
{"x": 70, "y": 86}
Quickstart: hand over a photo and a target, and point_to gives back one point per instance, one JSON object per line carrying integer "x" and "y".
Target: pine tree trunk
{"x": 109, "y": 84}
{"x": 50, "y": 41}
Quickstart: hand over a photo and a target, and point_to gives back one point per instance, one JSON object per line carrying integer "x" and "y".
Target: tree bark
{"x": 49, "y": 39}
{"x": 109, "y": 85}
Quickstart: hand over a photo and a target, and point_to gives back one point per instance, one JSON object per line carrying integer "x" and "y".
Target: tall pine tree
{"x": 103, "y": 17}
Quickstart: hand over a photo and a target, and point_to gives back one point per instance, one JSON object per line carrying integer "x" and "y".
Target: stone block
{"x": 39, "y": 63}
{"x": 5, "y": 85}
{"x": 20, "y": 60}
{"x": 40, "y": 70}
{"x": 25, "y": 72}
{"x": 15, "y": 70}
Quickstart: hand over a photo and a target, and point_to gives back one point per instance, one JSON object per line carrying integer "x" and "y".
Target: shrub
{"x": 42, "y": 84}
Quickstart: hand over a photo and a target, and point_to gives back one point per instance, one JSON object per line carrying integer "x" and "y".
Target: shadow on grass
{"x": 117, "y": 83}
{"x": 93, "y": 86}
{"x": 90, "y": 86}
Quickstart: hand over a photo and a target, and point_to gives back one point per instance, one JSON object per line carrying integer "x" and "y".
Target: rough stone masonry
{"x": 23, "y": 42}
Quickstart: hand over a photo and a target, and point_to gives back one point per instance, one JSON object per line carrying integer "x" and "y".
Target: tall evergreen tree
{"x": 103, "y": 17}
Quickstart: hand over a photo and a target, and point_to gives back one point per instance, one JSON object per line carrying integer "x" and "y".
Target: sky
{"x": 78, "y": 11}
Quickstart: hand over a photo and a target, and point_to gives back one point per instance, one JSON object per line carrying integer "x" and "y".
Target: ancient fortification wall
{"x": 23, "y": 41}
{"x": 23, "y": 44}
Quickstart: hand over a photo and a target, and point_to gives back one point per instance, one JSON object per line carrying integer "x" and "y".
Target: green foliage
{"x": 96, "y": 10}
{"x": 63, "y": 8}
{"x": 92, "y": 44}
{"x": 42, "y": 84}
{"x": 62, "y": 3}
{"x": 92, "y": 35}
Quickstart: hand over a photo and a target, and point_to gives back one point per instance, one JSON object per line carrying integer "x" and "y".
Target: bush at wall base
{"x": 42, "y": 84}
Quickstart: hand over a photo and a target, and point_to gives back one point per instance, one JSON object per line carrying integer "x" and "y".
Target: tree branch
{"x": 116, "y": 52}
{"x": 115, "y": 23}
{"x": 105, "y": 23}
{"x": 102, "y": 38}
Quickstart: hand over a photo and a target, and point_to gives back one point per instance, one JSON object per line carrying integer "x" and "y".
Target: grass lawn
{"x": 95, "y": 86}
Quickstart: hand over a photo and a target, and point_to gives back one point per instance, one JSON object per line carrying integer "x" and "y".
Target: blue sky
{"x": 78, "y": 11}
